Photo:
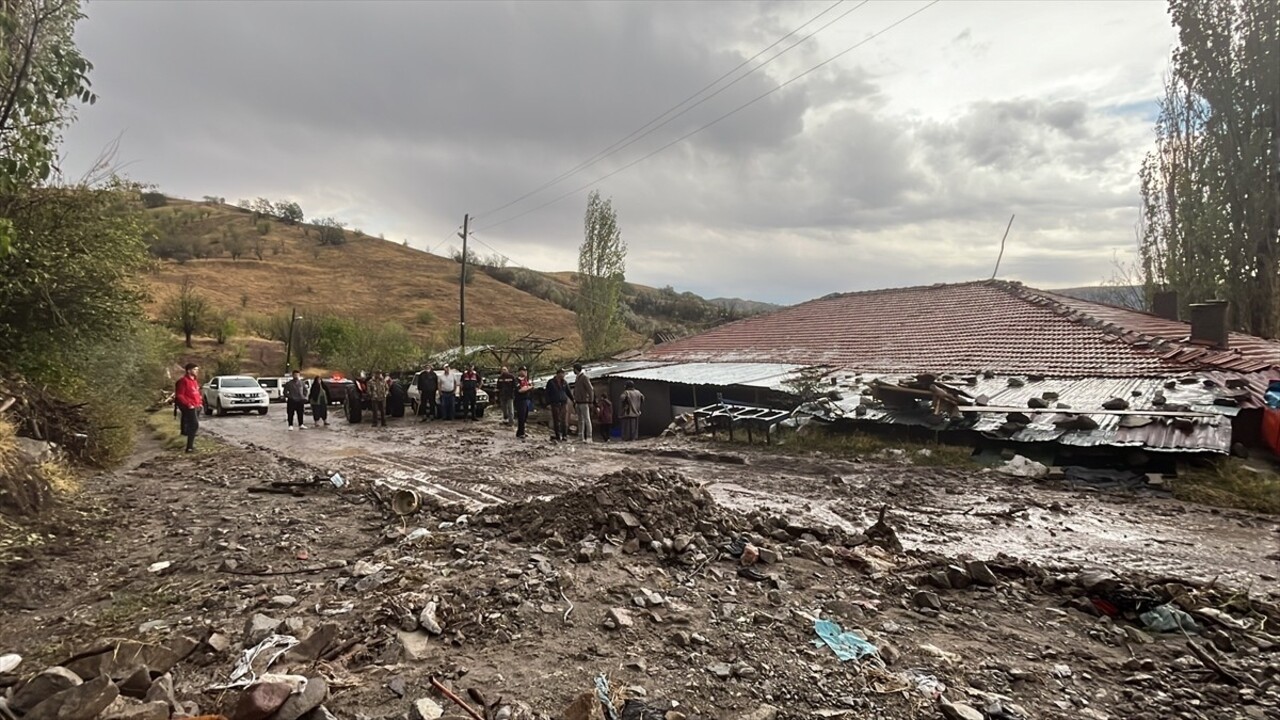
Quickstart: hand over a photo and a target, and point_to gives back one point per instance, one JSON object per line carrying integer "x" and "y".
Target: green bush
{"x": 227, "y": 363}
{"x": 154, "y": 200}
{"x": 225, "y": 330}
{"x": 264, "y": 227}
{"x": 425, "y": 317}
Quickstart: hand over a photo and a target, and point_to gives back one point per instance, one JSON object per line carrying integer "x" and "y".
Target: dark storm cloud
{"x": 400, "y": 117}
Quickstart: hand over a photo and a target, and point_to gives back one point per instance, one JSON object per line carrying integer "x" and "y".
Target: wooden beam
{"x": 1075, "y": 411}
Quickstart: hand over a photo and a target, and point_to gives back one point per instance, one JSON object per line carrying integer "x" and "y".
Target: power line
{"x": 734, "y": 111}
{"x": 641, "y": 132}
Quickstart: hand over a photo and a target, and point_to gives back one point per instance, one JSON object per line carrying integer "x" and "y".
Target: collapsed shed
{"x": 989, "y": 357}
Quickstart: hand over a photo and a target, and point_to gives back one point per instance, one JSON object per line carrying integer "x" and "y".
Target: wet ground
{"x": 948, "y": 511}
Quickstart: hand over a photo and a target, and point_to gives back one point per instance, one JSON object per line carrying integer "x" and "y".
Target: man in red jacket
{"x": 186, "y": 395}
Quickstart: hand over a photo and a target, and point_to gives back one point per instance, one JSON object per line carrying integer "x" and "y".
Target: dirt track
{"x": 719, "y": 645}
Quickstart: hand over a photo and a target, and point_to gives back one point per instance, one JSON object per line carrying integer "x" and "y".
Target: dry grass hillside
{"x": 365, "y": 278}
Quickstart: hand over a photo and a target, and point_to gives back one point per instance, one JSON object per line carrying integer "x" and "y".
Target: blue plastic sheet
{"x": 846, "y": 645}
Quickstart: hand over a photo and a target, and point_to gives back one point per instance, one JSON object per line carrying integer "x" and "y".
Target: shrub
{"x": 154, "y": 200}
{"x": 227, "y": 363}
{"x": 264, "y": 227}
{"x": 425, "y": 317}
{"x": 330, "y": 232}
{"x": 225, "y": 330}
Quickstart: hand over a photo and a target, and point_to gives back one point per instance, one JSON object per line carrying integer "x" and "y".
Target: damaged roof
{"x": 990, "y": 325}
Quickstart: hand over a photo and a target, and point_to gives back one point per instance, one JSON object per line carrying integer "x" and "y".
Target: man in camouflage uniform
{"x": 379, "y": 387}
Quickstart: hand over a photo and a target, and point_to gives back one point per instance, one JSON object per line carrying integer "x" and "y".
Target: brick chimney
{"x": 1209, "y": 323}
{"x": 1165, "y": 304}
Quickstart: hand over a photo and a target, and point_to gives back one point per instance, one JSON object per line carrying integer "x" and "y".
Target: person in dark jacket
{"x": 396, "y": 397}
{"x": 558, "y": 399}
{"x": 584, "y": 398}
{"x": 524, "y": 399}
{"x": 295, "y": 399}
{"x": 604, "y": 415}
{"x": 470, "y": 387}
{"x": 507, "y": 395}
{"x": 428, "y": 384}
{"x": 319, "y": 399}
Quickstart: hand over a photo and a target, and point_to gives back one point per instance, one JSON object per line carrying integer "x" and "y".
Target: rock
{"x": 959, "y": 711}
{"x": 259, "y": 627}
{"x": 417, "y": 644}
{"x": 1116, "y": 404}
{"x": 1037, "y": 403}
{"x": 429, "y": 620}
{"x": 161, "y": 690}
{"x": 126, "y": 709}
{"x": 681, "y": 543}
{"x": 745, "y": 671}
{"x": 364, "y": 568}
{"x": 425, "y": 709}
{"x": 120, "y": 659}
{"x": 218, "y": 642}
{"x": 981, "y": 574}
{"x": 320, "y": 713}
{"x": 312, "y": 696}
{"x": 284, "y": 601}
{"x": 50, "y": 682}
{"x": 1061, "y": 671}
{"x": 926, "y": 600}
{"x": 396, "y": 686}
{"x": 182, "y": 646}
{"x": 1138, "y": 636}
{"x": 959, "y": 577}
{"x": 720, "y": 670}
{"x": 750, "y": 554}
{"x": 159, "y": 567}
{"x": 768, "y": 556}
{"x": 940, "y": 580}
{"x": 80, "y": 702}
{"x": 136, "y": 685}
{"x": 374, "y": 581}
{"x": 9, "y": 662}
{"x": 764, "y": 712}
{"x": 618, "y": 619}
{"x": 315, "y": 644}
{"x": 260, "y": 700}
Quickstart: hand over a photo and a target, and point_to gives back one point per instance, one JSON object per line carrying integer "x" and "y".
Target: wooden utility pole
{"x": 462, "y": 292}
{"x": 288, "y": 345}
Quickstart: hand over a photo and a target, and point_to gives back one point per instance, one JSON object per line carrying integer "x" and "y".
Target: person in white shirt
{"x": 448, "y": 393}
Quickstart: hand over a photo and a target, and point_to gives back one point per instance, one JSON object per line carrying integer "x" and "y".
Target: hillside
{"x": 365, "y": 277}
{"x": 252, "y": 266}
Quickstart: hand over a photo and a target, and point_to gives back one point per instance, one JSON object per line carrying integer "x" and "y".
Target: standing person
{"x": 604, "y": 415}
{"x": 470, "y": 384}
{"x": 524, "y": 398}
{"x": 507, "y": 395}
{"x": 319, "y": 399}
{"x": 448, "y": 393}
{"x": 378, "y": 389}
{"x": 295, "y": 399}
{"x": 188, "y": 401}
{"x": 428, "y": 383}
{"x": 632, "y": 401}
{"x": 583, "y": 398}
{"x": 558, "y": 399}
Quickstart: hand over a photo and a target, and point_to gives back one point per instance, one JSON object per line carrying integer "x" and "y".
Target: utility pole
{"x": 462, "y": 291}
{"x": 288, "y": 345}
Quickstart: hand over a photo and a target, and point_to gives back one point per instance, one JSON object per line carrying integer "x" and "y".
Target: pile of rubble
{"x": 133, "y": 680}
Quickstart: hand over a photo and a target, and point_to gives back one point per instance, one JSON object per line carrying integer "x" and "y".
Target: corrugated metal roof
{"x": 1211, "y": 434}
{"x": 762, "y": 375}
{"x": 600, "y": 370}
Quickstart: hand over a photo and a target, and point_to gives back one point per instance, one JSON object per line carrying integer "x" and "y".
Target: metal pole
{"x": 462, "y": 292}
{"x": 288, "y": 344}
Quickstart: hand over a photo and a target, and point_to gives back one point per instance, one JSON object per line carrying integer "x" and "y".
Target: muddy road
{"x": 947, "y": 511}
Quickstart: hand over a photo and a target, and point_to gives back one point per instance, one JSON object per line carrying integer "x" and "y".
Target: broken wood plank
{"x": 1079, "y": 411}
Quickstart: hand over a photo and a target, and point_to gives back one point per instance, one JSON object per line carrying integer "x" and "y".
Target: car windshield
{"x": 238, "y": 382}
{"x": 268, "y": 383}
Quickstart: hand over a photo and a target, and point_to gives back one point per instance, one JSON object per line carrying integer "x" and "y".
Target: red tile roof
{"x": 991, "y": 325}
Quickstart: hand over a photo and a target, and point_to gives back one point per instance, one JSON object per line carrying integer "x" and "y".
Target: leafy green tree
{"x": 330, "y": 232}
{"x": 262, "y": 207}
{"x": 602, "y": 265}
{"x": 187, "y": 312}
{"x": 290, "y": 212}
{"x": 388, "y": 346}
{"x": 473, "y": 260}
{"x": 1211, "y": 188}
{"x": 234, "y": 243}
{"x": 41, "y": 74}
{"x": 154, "y": 199}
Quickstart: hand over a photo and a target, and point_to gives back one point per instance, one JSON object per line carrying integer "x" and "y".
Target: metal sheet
{"x": 762, "y": 375}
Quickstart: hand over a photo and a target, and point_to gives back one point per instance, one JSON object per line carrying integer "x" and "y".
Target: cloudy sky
{"x": 898, "y": 163}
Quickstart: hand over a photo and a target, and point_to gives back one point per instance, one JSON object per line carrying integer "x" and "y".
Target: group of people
{"x": 593, "y": 411}
{"x": 456, "y": 393}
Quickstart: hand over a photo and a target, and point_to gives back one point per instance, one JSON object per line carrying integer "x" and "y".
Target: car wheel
{"x": 480, "y": 410}
{"x": 208, "y": 409}
{"x": 221, "y": 411}
{"x": 262, "y": 411}
{"x": 351, "y": 406}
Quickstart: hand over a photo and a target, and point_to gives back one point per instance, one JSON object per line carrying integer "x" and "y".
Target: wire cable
{"x": 732, "y": 112}
{"x": 635, "y": 135}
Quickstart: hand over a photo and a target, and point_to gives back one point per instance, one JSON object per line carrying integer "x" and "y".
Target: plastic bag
{"x": 1168, "y": 618}
{"x": 846, "y": 645}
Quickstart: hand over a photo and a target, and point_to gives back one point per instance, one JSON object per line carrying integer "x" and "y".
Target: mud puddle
{"x": 953, "y": 512}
